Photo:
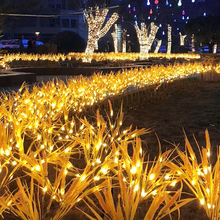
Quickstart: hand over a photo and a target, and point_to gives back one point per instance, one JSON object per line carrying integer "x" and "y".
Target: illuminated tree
{"x": 124, "y": 35}
{"x": 193, "y": 42}
{"x": 182, "y": 38}
{"x": 169, "y": 39}
{"x": 215, "y": 48}
{"x": 115, "y": 38}
{"x": 95, "y": 19}
{"x": 158, "y": 46}
{"x": 146, "y": 36}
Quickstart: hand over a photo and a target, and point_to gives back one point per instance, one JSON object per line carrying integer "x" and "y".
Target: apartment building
{"x": 52, "y": 17}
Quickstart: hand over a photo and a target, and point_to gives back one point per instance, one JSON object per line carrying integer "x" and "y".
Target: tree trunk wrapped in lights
{"x": 96, "y": 30}
{"x": 146, "y": 36}
{"x": 193, "y": 43}
{"x": 153, "y": 31}
{"x": 158, "y": 46}
{"x": 169, "y": 39}
{"x": 215, "y": 48}
{"x": 115, "y": 38}
{"x": 124, "y": 37}
{"x": 182, "y": 38}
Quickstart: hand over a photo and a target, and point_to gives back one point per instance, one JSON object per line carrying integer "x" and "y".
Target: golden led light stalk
{"x": 42, "y": 142}
{"x": 200, "y": 175}
{"x": 8, "y": 59}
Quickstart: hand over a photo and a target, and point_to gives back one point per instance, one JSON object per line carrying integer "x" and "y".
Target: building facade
{"x": 52, "y": 17}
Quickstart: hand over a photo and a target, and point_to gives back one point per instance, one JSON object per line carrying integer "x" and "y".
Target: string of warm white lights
{"x": 159, "y": 42}
{"x": 182, "y": 39}
{"x": 96, "y": 29}
{"x": 169, "y": 39}
{"x": 115, "y": 38}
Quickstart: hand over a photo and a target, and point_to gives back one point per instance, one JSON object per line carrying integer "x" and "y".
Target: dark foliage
{"x": 205, "y": 29}
{"x": 68, "y": 41}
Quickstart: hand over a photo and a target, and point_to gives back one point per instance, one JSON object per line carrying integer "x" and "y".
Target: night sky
{"x": 174, "y": 12}
{"x": 179, "y": 10}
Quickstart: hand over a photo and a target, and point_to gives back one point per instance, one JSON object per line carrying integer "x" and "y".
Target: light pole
{"x": 37, "y": 33}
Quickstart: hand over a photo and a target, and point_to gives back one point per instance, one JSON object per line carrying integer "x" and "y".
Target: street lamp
{"x": 37, "y": 33}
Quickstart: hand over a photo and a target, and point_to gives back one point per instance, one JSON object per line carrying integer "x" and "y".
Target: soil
{"x": 191, "y": 106}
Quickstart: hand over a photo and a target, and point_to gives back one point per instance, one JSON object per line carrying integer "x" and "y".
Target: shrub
{"x": 68, "y": 41}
